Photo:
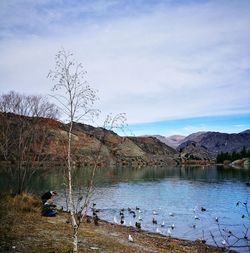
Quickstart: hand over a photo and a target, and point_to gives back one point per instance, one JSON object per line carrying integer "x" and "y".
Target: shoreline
{"x": 28, "y": 231}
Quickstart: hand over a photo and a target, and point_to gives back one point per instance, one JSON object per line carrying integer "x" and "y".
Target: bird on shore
{"x": 88, "y": 219}
{"x": 216, "y": 219}
{"x": 196, "y": 217}
{"x": 173, "y": 226}
{"x": 155, "y": 213}
{"x": 123, "y": 222}
{"x": 115, "y": 220}
{"x": 162, "y": 224}
{"x": 171, "y": 214}
{"x": 130, "y": 238}
{"x": 96, "y": 219}
{"x": 140, "y": 218}
{"x": 169, "y": 232}
{"x": 158, "y": 230}
{"x": 138, "y": 225}
{"x": 154, "y": 221}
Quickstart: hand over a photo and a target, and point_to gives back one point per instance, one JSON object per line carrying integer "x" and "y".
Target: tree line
{"x": 243, "y": 153}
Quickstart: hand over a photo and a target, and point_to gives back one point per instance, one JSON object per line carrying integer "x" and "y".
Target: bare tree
{"x": 23, "y": 135}
{"x": 28, "y": 105}
{"x": 76, "y": 102}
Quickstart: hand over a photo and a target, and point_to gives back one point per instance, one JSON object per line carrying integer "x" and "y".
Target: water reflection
{"x": 55, "y": 178}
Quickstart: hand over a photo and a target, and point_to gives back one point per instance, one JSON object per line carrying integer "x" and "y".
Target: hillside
{"x": 217, "y": 142}
{"x": 31, "y": 140}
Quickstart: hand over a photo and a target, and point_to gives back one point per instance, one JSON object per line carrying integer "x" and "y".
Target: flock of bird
{"x": 134, "y": 218}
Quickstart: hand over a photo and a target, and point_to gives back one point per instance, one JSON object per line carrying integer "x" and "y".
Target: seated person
{"x": 48, "y": 195}
{"x": 49, "y": 209}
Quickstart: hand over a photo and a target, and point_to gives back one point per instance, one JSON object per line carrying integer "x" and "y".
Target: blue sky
{"x": 173, "y": 66}
{"x": 229, "y": 124}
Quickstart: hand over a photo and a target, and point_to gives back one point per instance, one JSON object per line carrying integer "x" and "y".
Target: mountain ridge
{"x": 45, "y": 140}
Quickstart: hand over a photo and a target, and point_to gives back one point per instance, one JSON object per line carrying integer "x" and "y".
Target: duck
{"x": 115, "y": 220}
{"x": 171, "y": 214}
{"x": 138, "y": 225}
{"x": 169, "y": 232}
{"x": 130, "y": 238}
{"x": 203, "y": 209}
{"x": 96, "y": 219}
{"x": 154, "y": 221}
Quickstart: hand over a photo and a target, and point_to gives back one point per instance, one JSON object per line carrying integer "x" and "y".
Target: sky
{"x": 173, "y": 66}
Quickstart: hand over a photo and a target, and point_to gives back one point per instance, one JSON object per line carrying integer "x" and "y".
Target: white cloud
{"x": 172, "y": 61}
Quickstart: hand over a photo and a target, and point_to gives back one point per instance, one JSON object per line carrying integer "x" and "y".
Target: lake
{"x": 173, "y": 196}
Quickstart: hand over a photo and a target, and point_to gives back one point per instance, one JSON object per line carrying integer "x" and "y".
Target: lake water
{"x": 173, "y": 196}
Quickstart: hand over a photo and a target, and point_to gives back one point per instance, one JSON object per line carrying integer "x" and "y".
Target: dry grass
{"x": 24, "y": 202}
{"x": 23, "y": 229}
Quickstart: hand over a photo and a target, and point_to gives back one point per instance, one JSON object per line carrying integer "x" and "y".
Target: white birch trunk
{"x": 75, "y": 241}
{"x": 71, "y": 203}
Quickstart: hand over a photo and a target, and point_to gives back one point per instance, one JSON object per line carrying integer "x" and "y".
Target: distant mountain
{"x": 174, "y": 140}
{"x": 217, "y": 142}
{"x": 194, "y": 137}
{"x": 246, "y": 132}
